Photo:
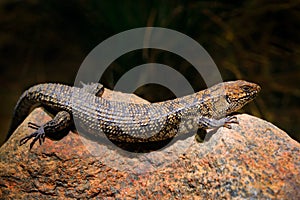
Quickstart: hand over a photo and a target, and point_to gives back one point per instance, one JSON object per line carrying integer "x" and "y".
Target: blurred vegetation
{"x": 46, "y": 41}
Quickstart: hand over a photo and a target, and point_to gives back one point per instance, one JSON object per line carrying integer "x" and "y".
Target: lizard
{"x": 130, "y": 122}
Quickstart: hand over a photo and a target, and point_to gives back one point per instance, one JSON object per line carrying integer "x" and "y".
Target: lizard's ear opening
{"x": 227, "y": 98}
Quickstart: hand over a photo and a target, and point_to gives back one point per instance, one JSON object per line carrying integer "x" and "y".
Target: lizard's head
{"x": 238, "y": 93}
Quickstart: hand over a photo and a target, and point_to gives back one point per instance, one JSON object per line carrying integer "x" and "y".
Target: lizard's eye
{"x": 246, "y": 88}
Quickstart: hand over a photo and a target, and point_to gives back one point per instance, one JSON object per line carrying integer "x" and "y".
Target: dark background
{"x": 46, "y": 41}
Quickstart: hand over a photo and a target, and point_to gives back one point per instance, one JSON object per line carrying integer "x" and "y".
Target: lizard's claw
{"x": 229, "y": 120}
{"x": 39, "y": 134}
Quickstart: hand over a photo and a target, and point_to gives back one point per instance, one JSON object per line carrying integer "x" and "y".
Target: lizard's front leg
{"x": 61, "y": 122}
{"x": 206, "y": 123}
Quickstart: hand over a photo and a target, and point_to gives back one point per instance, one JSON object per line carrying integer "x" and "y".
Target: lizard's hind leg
{"x": 61, "y": 122}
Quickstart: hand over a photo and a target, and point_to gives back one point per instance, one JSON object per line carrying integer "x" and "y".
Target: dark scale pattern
{"x": 130, "y": 122}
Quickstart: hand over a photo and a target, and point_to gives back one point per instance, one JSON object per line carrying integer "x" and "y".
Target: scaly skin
{"x": 129, "y": 122}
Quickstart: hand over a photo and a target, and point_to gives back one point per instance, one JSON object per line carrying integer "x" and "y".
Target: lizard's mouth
{"x": 253, "y": 92}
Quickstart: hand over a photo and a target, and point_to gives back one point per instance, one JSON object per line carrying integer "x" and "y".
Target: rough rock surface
{"x": 253, "y": 159}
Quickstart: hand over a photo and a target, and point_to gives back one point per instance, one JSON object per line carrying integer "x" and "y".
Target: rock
{"x": 254, "y": 159}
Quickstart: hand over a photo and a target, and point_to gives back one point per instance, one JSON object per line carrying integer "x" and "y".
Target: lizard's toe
{"x": 39, "y": 134}
{"x": 229, "y": 120}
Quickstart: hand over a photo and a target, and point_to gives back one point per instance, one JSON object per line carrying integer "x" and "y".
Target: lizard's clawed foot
{"x": 39, "y": 134}
{"x": 205, "y": 122}
{"x": 229, "y": 120}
